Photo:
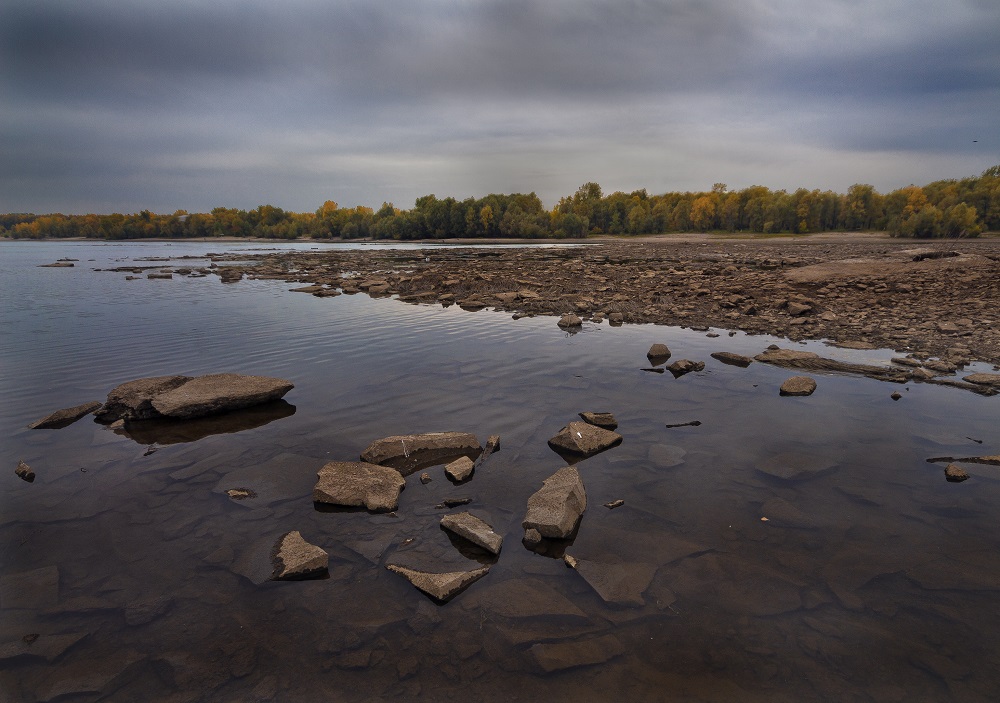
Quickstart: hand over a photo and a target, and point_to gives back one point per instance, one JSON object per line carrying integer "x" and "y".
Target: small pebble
{"x": 24, "y": 471}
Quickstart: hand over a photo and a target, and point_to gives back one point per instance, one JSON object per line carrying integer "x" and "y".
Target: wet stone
{"x": 658, "y": 353}
{"x": 65, "y": 417}
{"x": 559, "y": 656}
{"x": 24, "y": 472}
{"x": 605, "y": 421}
{"x": 410, "y": 453}
{"x": 555, "y": 509}
{"x": 294, "y": 559}
{"x": 955, "y": 474}
{"x": 621, "y": 583}
{"x": 732, "y": 359}
{"x": 353, "y": 483}
{"x": 685, "y": 366}
{"x": 442, "y": 587}
{"x": 570, "y": 321}
{"x": 460, "y": 469}
{"x": 473, "y": 529}
{"x": 798, "y": 386}
{"x": 580, "y": 438}
{"x": 794, "y": 466}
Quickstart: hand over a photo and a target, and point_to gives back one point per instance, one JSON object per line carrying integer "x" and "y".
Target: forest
{"x": 953, "y": 208}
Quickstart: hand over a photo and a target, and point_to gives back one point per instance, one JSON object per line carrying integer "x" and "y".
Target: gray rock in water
{"x": 65, "y": 417}
{"x": 443, "y": 587}
{"x": 355, "y": 483}
{"x": 24, "y": 471}
{"x": 295, "y": 559}
{"x": 556, "y": 508}
{"x": 570, "y": 321}
{"x": 473, "y": 529}
{"x": 798, "y": 385}
{"x": 616, "y": 319}
{"x": 409, "y": 453}
{"x": 658, "y": 352}
{"x": 460, "y": 469}
{"x": 134, "y": 400}
{"x": 732, "y": 359}
{"x": 492, "y": 446}
{"x": 580, "y": 438}
{"x": 218, "y": 393}
{"x": 558, "y": 656}
{"x": 605, "y": 421}
{"x": 984, "y": 379}
{"x": 684, "y": 366}
{"x": 793, "y": 466}
{"x": 618, "y": 584}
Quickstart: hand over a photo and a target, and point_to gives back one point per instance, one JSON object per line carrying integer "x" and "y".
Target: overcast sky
{"x": 120, "y": 105}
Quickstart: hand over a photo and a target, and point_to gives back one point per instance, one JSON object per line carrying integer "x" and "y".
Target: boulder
{"x": 442, "y": 587}
{"x": 555, "y": 509}
{"x": 605, "y": 421}
{"x": 65, "y": 417}
{"x": 460, "y": 469}
{"x": 473, "y": 529}
{"x": 955, "y": 474}
{"x": 580, "y": 438}
{"x": 354, "y": 483}
{"x": 798, "y": 385}
{"x": 295, "y": 559}
{"x": 409, "y": 453}
{"x": 219, "y": 393}
{"x": 617, "y": 584}
{"x": 732, "y": 359}
{"x": 24, "y": 471}
{"x": 684, "y": 366}
{"x": 570, "y": 321}
{"x": 616, "y": 319}
{"x": 658, "y": 352}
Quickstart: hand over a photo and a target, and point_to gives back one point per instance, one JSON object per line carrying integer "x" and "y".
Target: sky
{"x": 124, "y": 105}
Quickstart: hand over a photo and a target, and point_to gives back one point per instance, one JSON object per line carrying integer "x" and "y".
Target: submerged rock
{"x": 294, "y": 559}
{"x": 473, "y": 529}
{"x": 492, "y": 446}
{"x": 24, "y": 471}
{"x": 558, "y": 656}
{"x": 617, "y": 584}
{"x": 556, "y": 508}
{"x": 355, "y": 483}
{"x": 184, "y": 397}
{"x": 580, "y": 438}
{"x": 460, "y": 469}
{"x": 798, "y": 385}
{"x": 413, "y": 452}
{"x": 47, "y": 647}
{"x": 605, "y": 421}
{"x": 65, "y": 417}
{"x": 443, "y": 587}
{"x": 793, "y": 466}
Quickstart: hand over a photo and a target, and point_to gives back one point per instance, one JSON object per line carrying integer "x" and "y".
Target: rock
{"x": 455, "y": 502}
{"x": 24, "y": 471}
{"x": 605, "y": 421}
{"x": 47, "y": 647}
{"x": 473, "y": 529}
{"x": 684, "y": 366}
{"x": 528, "y": 600}
{"x": 57, "y": 265}
{"x": 134, "y": 400}
{"x": 792, "y": 466}
{"x": 579, "y": 438}
{"x": 65, "y": 417}
{"x": 780, "y": 512}
{"x": 409, "y": 453}
{"x": 142, "y": 612}
{"x": 555, "y": 509}
{"x": 810, "y": 361}
{"x": 617, "y": 584}
{"x": 353, "y": 483}
{"x": 218, "y": 393}
{"x": 896, "y": 395}
{"x": 569, "y": 321}
{"x": 732, "y": 359}
{"x": 443, "y": 587}
{"x": 798, "y": 385}
{"x": 492, "y": 446}
{"x": 984, "y": 379}
{"x": 294, "y": 559}
{"x": 692, "y": 423}
{"x": 425, "y": 478}
{"x": 558, "y": 656}
{"x": 955, "y": 474}
{"x": 160, "y": 276}
{"x": 658, "y": 353}
{"x": 616, "y": 319}
{"x": 460, "y": 469}
{"x": 796, "y": 309}
{"x": 614, "y": 504}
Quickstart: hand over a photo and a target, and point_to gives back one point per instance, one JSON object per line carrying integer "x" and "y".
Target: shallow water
{"x": 879, "y": 583}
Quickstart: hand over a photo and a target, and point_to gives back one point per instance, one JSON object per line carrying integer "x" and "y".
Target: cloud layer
{"x": 130, "y": 104}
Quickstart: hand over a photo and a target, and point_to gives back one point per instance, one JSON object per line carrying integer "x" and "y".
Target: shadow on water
{"x": 165, "y": 432}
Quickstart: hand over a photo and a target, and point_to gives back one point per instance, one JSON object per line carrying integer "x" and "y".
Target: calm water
{"x": 873, "y": 580}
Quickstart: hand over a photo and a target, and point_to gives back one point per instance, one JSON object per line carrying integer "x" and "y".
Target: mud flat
{"x": 934, "y": 299}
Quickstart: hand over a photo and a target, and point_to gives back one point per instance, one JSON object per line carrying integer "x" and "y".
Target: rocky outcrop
{"x": 798, "y": 385}
{"x": 473, "y": 529}
{"x": 605, "y": 421}
{"x": 359, "y": 484}
{"x": 413, "y": 452}
{"x": 555, "y": 509}
{"x": 584, "y": 440}
{"x": 184, "y": 397}
{"x": 442, "y": 587}
{"x": 295, "y": 559}
{"x": 65, "y": 417}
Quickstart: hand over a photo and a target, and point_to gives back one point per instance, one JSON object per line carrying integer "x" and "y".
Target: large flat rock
{"x": 473, "y": 529}
{"x": 358, "y": 484}
{"x": 65, "y": 417}
{"x": 133, "y": 400}
{"x": 620, "y": 583}
{"x": 568, "y": 655}
{"x": 555, "y": 509}
{"x": 583, "y": 439}
{"x": 412, "y": 452}
{"x": 219, "y": 393}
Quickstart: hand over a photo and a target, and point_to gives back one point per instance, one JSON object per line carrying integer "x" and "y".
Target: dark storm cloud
{"x": 287, "y": 102}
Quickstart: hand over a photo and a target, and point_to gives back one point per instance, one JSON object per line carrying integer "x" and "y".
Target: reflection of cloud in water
{"x": 180, "y": 431}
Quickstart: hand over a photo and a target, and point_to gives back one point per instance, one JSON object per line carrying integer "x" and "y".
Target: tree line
{"x": 947, "y": 208}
